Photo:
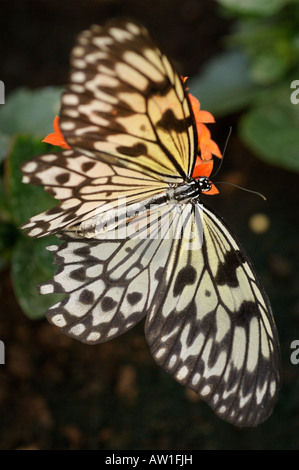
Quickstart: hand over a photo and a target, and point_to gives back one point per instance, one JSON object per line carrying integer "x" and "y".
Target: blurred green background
{"x": 242, "y": 59}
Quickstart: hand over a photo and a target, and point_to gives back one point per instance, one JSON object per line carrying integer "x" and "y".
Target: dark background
{"x": 56, "y": 393}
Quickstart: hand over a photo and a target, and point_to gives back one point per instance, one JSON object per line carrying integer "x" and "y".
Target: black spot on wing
{"x": 78, "y": 274}
{"x": 186, "y": 276}
{"x": 82, "y": 251}
{"x": 87, "y": 166}
{"x": 86, "y": 297}
{"x": 62, "y": 178}
{"x": 171, "y": 123}
{"x": 247, "y": 311}
{"x": 134, "y": 298}
{"x": 108, "y": 304}
{"x": 135, "y": 150}
{"x": 226, "y": 274}
{"x": 54, "y": 210}
{"x": 159, "y": 274}
{"x": 68, "y": 217}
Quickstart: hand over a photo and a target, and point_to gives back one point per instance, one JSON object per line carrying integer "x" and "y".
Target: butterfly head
{"x": 204, "y": 184}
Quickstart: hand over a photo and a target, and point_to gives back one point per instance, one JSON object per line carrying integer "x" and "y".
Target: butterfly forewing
{"x": 86, "y": 187}
{"x": 126, "y": 102}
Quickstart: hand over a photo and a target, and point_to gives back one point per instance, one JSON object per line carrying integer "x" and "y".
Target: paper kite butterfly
{"x": 138, "y": 241}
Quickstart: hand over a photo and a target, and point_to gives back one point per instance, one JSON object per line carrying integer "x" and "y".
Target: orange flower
{"x": 204, "y": 168}
{"x": 200, "y": 116}
{"x": 56, "y": 138}
{"x": 206, "y": 146}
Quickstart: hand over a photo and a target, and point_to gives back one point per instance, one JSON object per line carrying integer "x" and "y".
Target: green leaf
{"x": 258, "y": 7}
{"x": 271, "y": 129}
{"x": 270, "y": 46}
{"x": 4, "y": 206}
{"x": 32, "y": 265}
{"x": 25, "y": 200}
{"x": 268, "y": 68}
{"x": 224, "y": 85}
{"x": 27, "y": 111}
{"x": 8, "y": 236}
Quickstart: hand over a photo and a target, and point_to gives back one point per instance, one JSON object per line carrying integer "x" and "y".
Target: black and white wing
{"x": 128, "y": 121}
{"x": 109, "y": 283}
{"x": 86, "y": 187}
{"x": 209, "y": 322}
{"x": 127, "y": 105}
{"x": 214, "y": 330}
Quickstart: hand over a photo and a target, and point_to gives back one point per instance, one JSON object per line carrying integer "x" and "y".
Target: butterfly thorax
{"x": 191, "y": 190}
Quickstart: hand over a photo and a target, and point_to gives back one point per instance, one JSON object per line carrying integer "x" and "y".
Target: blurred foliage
{"x": 31, "y": 263}
{"x": 256, "y": 74}
{"x": 27, "y": 111}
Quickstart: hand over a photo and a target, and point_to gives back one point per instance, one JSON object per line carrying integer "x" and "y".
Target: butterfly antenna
{"x": 223, "y": 153}
{"x": 244, "y": 189}
{"x": 227, "y": 182}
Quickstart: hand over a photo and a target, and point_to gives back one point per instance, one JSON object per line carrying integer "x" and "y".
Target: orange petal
{"x": 202, "y": 168}
{"x": 206, "y": 145}
{"x": 56, "y": 138}
{"x": 212, "y": 191}
{"x": 206, "y": 154}
{"x": 195, "y": 104}
{"x": 184, "y": 79}
{"x": 204, "y": 116}
{"x": 207, "y": 148}
{"x": 214, "y": 149}
{"x": 200, "y": 116}
{"x": 203, "y": 132}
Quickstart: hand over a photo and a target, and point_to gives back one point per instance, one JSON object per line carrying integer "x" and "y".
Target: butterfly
{"x": 137, "y": 239}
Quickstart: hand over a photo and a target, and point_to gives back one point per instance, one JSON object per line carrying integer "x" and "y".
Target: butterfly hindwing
{"x": 109, "y": 283}
{"x": 100, "y": 304}
{"x": 209, "y": 322}
{"x": 214, "y": 329}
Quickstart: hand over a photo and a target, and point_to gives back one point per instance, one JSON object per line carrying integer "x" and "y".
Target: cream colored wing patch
{"x": 126, "y": 102}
